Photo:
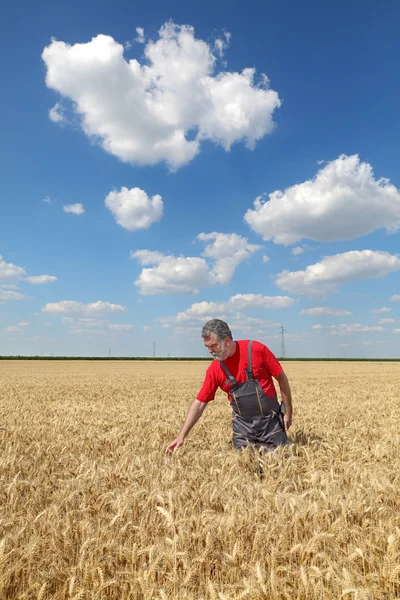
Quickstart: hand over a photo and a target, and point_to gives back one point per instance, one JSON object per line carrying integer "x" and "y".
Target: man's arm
{"x": 195, "y": 411}
{"x": 286, "y": 395}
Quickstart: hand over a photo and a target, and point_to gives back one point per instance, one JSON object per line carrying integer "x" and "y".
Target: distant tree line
{"x": 188, "y": 358}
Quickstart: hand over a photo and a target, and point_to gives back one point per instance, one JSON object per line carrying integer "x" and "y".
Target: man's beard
{"x": 222, "y": 354}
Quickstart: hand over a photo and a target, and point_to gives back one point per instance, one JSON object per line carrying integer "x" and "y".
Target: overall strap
{"x": 249, "y": 369}
{"x": 231, "y": 378}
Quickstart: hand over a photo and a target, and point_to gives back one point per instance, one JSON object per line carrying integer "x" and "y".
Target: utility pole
{"x": 283, "y": 349}
{"x": 109, "y": 353}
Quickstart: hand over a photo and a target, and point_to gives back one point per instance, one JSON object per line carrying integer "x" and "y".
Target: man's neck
{"x": 233, "y": 350}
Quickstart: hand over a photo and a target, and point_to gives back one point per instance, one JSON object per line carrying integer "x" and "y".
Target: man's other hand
{"x": 287, "y": 420}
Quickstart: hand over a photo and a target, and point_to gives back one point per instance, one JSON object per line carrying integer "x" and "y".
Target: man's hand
{"x": 195, "y": 411}
{"x": 174, "y": 445}
{"x": 287, "y": 420}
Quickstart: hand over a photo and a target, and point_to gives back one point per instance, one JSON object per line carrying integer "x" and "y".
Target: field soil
{"x": 90, "y": 508}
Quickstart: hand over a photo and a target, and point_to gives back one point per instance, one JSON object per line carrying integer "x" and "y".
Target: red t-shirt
{"x": 265, "y": 366}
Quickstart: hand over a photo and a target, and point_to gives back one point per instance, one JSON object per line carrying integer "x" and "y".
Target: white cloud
{"x": 396, "y": 330}
{"x": 17, "y": 329}
{"x": 323, "y": 277}
{"x": 228, "y": 250}
{"x": 146, "y": 328}
{"x": 343, "y": 345}
{"x": 71, "y": 306}
{"x": 297, "y": 250}
{"x": 395, "y": 298}
{"x": 173, "y": 275}
{"x": 384, "y": 309}
{"x": 140, "y": 35}
{"x": 385, "y": 321}
{"x": 354, "y": 328}
{"x": 143, "y": 113}
{"x": 186, "y": 275}
{"x": 265, "y": 259}
{"x": 39, "y": 279}
{"x": 9, "y": 272}
{"x": 325, "y": 311}
{"x": 56, "y": 114}
{"x": 47, "y": 199}
{"x": 200, "y": 312}
{"x": 14, "y": 329}
{"x": 9, "y": 295}
{"x": 342, "y": 202}
{"x": 89, "y": 325}
{"x": 240, "y": 301}
{"x": 120, "y": 327}
{"x": 75, "y": 209}
{"x": 133, "y": 209}
{"x": 221, "y": 45}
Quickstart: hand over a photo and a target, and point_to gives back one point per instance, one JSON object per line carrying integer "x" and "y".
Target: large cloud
{"x": 73, "y": 307}
{"x": 342, "y": 202}
{"x": 147, "y": 113}
{"x": 187, "y": 274}
{"x": 323, "y": 277}
{"x": 133, "y": 209}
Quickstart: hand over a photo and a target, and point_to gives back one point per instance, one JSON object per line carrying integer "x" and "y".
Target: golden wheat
{"x": 91, "y": 508}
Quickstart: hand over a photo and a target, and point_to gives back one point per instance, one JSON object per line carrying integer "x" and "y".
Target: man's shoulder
{"x": 255, "y": 344}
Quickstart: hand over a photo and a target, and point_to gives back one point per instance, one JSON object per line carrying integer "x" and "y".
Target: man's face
{"x": 216, "y": 348}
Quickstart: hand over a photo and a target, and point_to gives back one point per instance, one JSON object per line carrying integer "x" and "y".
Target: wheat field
{"x": 91, "y": 508}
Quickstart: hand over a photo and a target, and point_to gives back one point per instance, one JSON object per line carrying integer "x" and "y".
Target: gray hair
{"x": 220, "y": 328}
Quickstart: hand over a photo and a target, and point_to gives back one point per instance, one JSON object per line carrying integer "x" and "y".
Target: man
{"x": 244, "y": 370}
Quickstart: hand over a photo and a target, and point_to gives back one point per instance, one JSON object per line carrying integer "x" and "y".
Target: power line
{"x": 283, "y": 349}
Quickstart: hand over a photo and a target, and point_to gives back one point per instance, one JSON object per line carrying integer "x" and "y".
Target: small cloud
{"x": 297, "y": 251}
{"x": 396, "y": 330}
{"x": 73, "y": 307}
{"x": 265, "y": 259}
{"x": 9, "y": 295}
{"x": 395, "y": 298}
{"x": 140, "y": 35}
{"x": 385, "y": 321}
{"x": 325, "y": 311}
{"x": 128, "y": 45}
{"x": 146, "y": 328}
{"x": 120, "y": 327}
{"x": 39, "y": 279}
{"x": 56, "y": 114}
{"x": 14, "y": 329}
{"x": 22, "y": 324}
{"x": 384, "y": 309}
{"x": 75, "y": 209}
{"x": 47, "y": 199}
{"x": 220, "y": 45}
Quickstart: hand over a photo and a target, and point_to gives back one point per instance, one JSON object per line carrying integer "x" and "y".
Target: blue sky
{"x": 169, "y": 162}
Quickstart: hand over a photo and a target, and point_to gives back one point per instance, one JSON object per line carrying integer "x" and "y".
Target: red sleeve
{"x": 209, "y": 387}
{"x": 271, "y": 362}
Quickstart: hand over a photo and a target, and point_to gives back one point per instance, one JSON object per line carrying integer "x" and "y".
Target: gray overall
{"x": 257, "y": 420}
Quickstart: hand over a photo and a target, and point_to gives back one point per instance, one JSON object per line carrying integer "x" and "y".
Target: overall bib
{"x": 257, "y": 420}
